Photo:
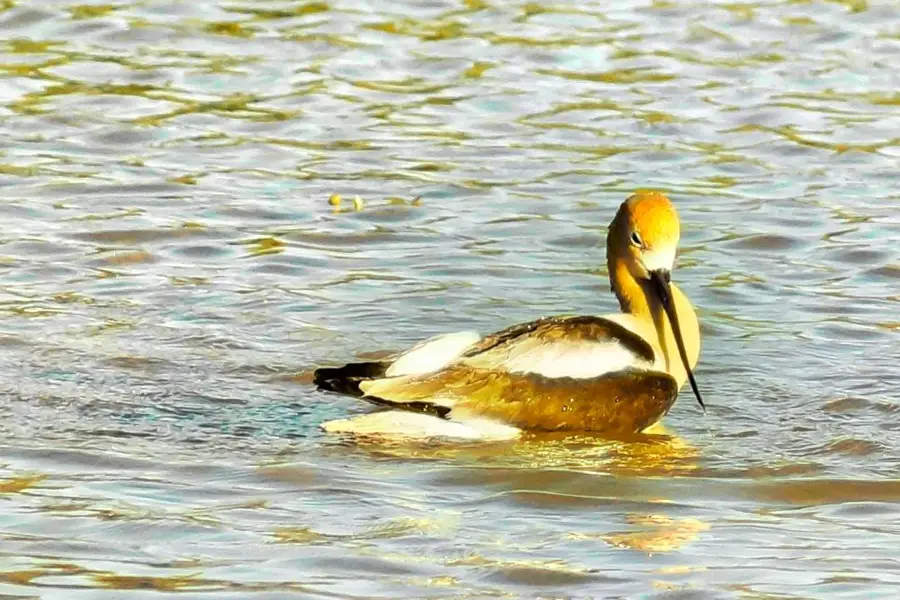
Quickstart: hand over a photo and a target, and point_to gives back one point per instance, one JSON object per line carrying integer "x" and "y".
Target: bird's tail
{"x": 346, "y": 379}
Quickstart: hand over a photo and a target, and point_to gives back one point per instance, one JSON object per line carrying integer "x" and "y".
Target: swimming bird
{"x": 617, "y": 373}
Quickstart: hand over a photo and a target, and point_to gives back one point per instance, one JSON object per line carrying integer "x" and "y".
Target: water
{"x": 171, "y": 270}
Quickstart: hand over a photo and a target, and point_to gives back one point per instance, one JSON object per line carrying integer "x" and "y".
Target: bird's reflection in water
{"x": 655, "y": 452}
{"x": 555, "y": 471}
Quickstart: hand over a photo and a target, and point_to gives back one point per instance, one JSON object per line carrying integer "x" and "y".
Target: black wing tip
{"x": 346, "y": 379}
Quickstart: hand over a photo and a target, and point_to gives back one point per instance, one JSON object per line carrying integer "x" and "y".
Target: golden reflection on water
{"x": 656, "y": 452}
{"x": 657, "y": 533}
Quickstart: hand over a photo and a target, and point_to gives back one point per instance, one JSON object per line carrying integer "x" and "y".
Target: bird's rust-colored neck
{"x": 633, "y": 297}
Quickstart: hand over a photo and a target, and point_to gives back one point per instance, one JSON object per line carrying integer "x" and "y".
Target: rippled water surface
{"x": 171, "y": 270}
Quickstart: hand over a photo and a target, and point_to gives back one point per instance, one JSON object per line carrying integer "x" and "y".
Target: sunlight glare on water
{"x": 171, "y": 269}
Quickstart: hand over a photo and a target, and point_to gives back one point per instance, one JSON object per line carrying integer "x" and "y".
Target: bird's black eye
{"x": 636, "y": 239}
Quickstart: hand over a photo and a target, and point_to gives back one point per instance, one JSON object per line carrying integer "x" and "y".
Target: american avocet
{"x": 617, "y": 373}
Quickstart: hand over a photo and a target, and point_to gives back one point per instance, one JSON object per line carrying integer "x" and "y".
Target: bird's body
{"x": 617, "y": 373}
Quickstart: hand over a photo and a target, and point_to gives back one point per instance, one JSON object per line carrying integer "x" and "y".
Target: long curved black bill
{"x": 660, "y": 281}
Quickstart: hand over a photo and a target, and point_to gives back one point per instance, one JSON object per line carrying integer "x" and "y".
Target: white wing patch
{"x": 577, "y": 359}
{"x": 432, "y": 354}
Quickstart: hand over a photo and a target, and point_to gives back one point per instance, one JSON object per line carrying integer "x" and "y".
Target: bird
{"x": 614, "y": 374}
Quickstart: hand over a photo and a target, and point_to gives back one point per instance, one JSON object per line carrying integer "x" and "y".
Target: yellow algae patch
{"x": 20, "y": 483}
{"x": 477, "y": 70}
{"x": 181, "y": 281}
{"x": 27, "y": 576}
{"x": 19, "y": 171}
{"x": 110, "y": 325}
{"x": 855, "y": 6}
{"x": 264, "y": 246}
{"x": 310, "y": 8}
{"x": 90, "y": 11}
{"x": 655, "y": 117}
{"x": 72, "y": 298}
{"x": 168, "y": 584}
{"x": 618, "y": 76}
{"x": 24, "y": 577}
{"x": 232, "y": 28}
{"x": 424, "y": 30}
{"x": 184, "y": 179}
{"x": 298, "y": 535}
{"x": 27, "y": 46}
{"x": 121, "y": 214}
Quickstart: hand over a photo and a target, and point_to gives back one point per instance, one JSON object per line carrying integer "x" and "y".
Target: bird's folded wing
{"x": 580, "y": 347}
{"x": 586, "y": 373}
{"x": 626, "y": 401}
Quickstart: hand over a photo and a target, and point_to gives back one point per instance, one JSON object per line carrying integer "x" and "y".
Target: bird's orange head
{"x": 645, "y": 233}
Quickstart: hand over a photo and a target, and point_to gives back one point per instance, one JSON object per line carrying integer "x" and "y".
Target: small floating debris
{"x": 264, "y": 246}
{"x": 184, "y": 180}
{"x": 336, "y": 200}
